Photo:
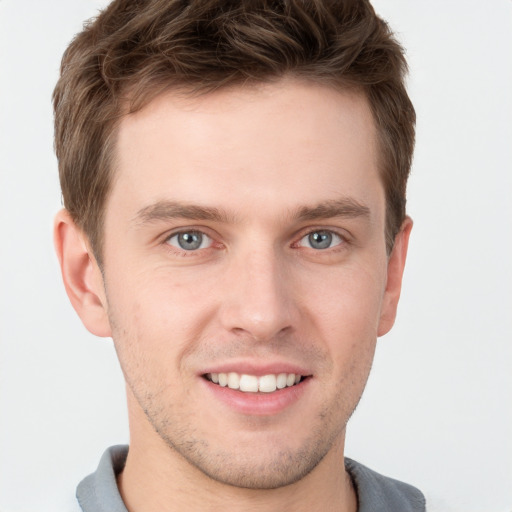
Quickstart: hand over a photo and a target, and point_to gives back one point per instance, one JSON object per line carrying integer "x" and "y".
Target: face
{"x": 246, "y": 274}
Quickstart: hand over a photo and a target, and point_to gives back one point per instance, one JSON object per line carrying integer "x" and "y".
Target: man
{"x": 234, "y": 183}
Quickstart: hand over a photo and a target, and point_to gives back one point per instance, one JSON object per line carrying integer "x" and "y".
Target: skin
{"x": 249, "y": 168}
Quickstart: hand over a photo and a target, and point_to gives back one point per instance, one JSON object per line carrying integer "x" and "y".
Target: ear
{"x": 396, "y": 265}
{"x": 81, "y": 275}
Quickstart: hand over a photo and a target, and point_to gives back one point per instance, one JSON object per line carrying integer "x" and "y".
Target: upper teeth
{"x": 252, "y": 383}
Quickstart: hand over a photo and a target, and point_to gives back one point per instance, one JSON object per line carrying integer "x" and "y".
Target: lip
{"x": 252, "y": 368}
{"x": 257, "y": 404}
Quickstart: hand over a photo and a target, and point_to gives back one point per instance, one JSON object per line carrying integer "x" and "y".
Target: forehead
{"x": 287, "y": 143}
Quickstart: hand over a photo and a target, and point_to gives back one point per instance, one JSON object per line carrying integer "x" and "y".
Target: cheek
{"x": 346, "y": 312}
{"x": 350, "y": 298}
{"x": 157, "y": 315}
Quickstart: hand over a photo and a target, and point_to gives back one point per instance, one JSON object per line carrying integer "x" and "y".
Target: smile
{"x": 252, "y": 383}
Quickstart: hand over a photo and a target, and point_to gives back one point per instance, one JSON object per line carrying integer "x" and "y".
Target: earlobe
{"x": 81, "y": 275}
{"x": 395, "y": 271}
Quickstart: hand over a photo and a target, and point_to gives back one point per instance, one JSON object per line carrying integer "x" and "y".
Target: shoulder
{"x": 379, "y": 492}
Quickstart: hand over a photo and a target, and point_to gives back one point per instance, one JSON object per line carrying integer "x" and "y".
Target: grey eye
{"x": 190, "y": 240}
{"x": 321, "y": 239}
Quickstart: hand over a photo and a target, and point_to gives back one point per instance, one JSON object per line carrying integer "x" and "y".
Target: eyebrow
{"x": 169, "y": 210}
{"x": 344, "y": 208}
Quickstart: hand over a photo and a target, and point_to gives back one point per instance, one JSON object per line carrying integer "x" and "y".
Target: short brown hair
{"x": 136, "y": 49}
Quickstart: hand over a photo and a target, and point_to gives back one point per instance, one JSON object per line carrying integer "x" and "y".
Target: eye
{"x": 321, "y": 239}
{"x": 190, "y": 240}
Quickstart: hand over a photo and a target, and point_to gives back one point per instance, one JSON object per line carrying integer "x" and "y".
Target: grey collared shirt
{"x": 375, "y": 493}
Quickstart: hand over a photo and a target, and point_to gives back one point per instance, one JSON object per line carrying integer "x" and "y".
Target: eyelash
{"x": 184, "y": 252}
{"x": 344, "y": 241}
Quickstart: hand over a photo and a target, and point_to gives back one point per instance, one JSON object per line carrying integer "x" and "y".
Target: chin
{"x": 261, "y": 465}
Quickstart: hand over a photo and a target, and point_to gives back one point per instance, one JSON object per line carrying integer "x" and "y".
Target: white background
{"x": 437, "y": 410}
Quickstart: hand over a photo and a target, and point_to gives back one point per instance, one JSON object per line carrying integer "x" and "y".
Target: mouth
{"x": 255, "y": 384}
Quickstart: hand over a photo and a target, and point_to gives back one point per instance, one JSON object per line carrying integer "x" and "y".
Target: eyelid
{"x": 344, "y": 236}
{"x": 209, "y": 240}
{"x": 336, "y": 240}
{"x": 188, "y": 229}
{"x": 341, "y": 233}
{"x": 176, "y": 250}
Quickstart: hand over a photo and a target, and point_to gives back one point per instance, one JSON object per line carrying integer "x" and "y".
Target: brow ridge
{"x": 168, "y": 210}
{"x": 345, "y": 207}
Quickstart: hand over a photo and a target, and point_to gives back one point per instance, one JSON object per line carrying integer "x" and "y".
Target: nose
{"x": 258, "y": 298}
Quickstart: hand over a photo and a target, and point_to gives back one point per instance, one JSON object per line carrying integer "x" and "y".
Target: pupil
{"x": 190, "y": 241}
{"x": 320, "y": 240}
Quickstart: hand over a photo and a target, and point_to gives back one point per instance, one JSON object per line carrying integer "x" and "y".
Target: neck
{"x": 158, "y": 479}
